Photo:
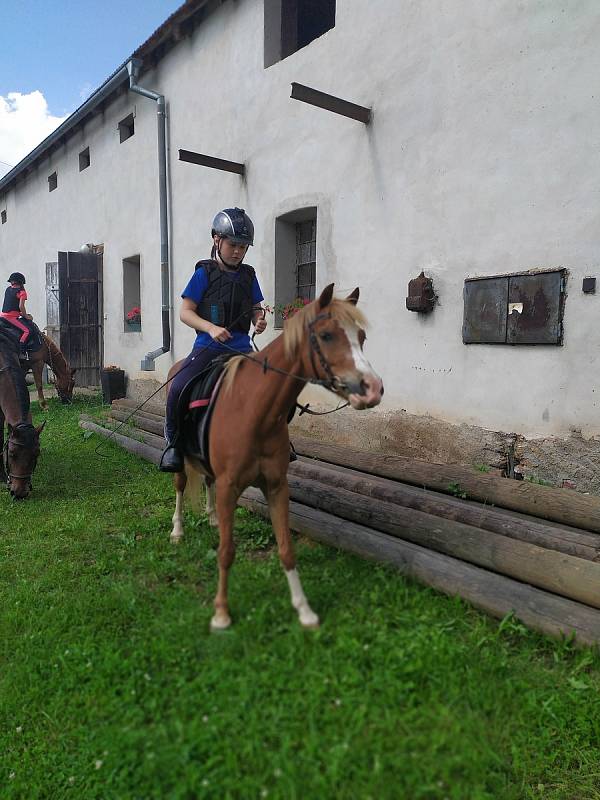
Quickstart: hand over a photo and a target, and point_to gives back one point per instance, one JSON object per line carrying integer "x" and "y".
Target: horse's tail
{"x": 194, "y": 493}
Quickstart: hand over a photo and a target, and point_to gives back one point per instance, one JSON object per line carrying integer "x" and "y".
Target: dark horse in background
{"x": 22, "y": 448}
{"x": 42, "y": 350}
{"x": 64, "y": 379}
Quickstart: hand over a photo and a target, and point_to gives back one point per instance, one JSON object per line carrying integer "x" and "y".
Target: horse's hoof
{"x": 309, "y": 620}
{"x": 213, "y": 521}
{"x": 220, "y": 622}
{"x": 175, "y": 538}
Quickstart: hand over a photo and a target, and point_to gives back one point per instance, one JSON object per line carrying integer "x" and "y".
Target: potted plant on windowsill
{"x": 134, "y": 319}
{"x": 284, "y": 311}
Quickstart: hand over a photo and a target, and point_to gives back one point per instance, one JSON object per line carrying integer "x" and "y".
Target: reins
{"x": 332, "y": 383}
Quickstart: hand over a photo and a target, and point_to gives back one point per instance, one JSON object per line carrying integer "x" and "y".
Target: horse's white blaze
{"x": 306, "y": 615}
{"x": 360, "y": 361}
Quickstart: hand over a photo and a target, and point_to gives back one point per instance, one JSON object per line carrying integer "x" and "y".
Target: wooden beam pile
{"x": 505, "y": 546}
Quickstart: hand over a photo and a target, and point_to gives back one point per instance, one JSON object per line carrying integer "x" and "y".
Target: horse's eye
{"x": 362, "y": 337}
{"x": 326, "y": 337}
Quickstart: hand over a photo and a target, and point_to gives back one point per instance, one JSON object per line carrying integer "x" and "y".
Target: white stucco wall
{"x": 482, "y": 159}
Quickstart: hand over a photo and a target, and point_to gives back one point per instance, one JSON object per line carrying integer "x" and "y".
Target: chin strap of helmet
{"x": 217, "y": 251}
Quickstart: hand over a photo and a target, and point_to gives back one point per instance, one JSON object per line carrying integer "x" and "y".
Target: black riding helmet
{"x": 16, "y": 277}
{"x": 234, "y": 224}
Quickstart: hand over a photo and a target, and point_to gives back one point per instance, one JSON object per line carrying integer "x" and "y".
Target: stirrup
{"x": 171, "y": 459}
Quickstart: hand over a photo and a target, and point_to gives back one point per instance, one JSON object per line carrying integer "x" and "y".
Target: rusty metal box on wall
{"x": 524, "y": 308}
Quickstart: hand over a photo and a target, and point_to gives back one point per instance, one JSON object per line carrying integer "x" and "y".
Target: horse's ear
{"x": 41, "y": 427}
{"x": 353, "y": 296}
{"x": 326, "y": 296}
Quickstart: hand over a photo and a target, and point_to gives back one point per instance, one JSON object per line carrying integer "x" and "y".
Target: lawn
{"x": 112, "y": 686}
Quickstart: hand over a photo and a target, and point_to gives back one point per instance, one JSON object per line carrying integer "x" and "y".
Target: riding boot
{"x": 171, "y": 459}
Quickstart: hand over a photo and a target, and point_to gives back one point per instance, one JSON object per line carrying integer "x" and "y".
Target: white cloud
{"x": 24, "y": 122}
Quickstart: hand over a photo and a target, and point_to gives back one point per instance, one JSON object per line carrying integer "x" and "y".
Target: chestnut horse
{"x": 63, "y": 375}
{"x": 21, "y": 451}
{"x": 248, "y": 439}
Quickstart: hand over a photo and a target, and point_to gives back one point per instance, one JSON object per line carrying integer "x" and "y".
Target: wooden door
{"x": 80, "y": 304}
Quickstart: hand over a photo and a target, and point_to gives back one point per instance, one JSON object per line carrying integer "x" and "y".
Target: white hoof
{"x": 176, "y": 536}
{"x": 308, "y": 618}
{"x": 213, "y": 521}
{"x": 220, "y": 622}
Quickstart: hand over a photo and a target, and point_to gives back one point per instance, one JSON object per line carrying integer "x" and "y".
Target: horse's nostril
{"x": 364, "y": 387}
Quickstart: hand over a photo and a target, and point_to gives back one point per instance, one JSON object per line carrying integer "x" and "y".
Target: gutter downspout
{"x": 133, "y": 68}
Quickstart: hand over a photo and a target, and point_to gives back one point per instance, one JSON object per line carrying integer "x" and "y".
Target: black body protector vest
{"x": 11, "y": 299}
{"x": 227, "y": 301}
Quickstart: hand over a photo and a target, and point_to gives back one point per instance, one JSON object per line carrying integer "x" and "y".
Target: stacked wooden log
{"x": 506, "y": 546}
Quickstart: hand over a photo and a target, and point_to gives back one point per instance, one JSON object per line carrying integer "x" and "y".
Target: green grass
{"x": 111, "y": 685}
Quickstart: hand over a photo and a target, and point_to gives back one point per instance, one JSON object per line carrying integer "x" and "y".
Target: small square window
{"x": 84, "y": 159}
{"x": 3, "y": 216}
{"x": 126, "y": 128}
{"x": 52, "y": 182}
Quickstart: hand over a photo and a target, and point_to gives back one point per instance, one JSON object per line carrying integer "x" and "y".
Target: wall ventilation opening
{"x": 52, "y": 182}
{"x": 126, "y": 128}
{"x": 290, "y": 25}
{"x": 3, "y": 216}
{"x": 295, "y": 261}
{"x": 84, "y": 159}
{"x": 132, "y": 305}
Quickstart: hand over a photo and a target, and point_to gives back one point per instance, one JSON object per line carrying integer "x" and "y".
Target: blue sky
{"x": 54, "y": 53}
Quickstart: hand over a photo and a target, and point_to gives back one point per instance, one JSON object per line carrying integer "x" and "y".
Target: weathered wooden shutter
{"x": 79, "y": 278}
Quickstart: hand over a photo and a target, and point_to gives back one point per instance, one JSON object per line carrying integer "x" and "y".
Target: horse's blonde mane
{"x": 295, "y": 329}
{"x": 231, "y": 368}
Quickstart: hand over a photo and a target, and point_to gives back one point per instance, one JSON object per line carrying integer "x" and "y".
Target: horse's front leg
{"x": 278, "y": 497}
{"x": 36, "y": 369}
{"x": 179, "y": 482}
{"x": 226, "y": 502}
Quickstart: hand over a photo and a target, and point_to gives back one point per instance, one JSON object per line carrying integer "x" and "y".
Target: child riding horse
{"x": 248, "y": 437}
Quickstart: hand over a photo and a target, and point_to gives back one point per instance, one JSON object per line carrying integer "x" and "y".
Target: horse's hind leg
{"x": 226, "y": 501}
{"x": 211, "y": 502}
{"x": 179, "y": 482}
{"x": 278, "y": 497}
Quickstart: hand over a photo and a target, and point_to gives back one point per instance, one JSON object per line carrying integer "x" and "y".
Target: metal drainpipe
{"x": 133, "y": 68}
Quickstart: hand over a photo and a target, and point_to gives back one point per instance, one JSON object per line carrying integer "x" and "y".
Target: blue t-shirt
{"x": 196, "y": 289}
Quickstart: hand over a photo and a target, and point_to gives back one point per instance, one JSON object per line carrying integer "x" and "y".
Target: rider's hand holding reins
{"x": 218, "y": 334}
{"x": 258, "y": 318}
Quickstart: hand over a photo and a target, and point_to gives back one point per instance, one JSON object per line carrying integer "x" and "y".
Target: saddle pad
{"x": 196, "y": 425}
{"x": 195, "y": 409}
{"x": 35, "y": 340}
